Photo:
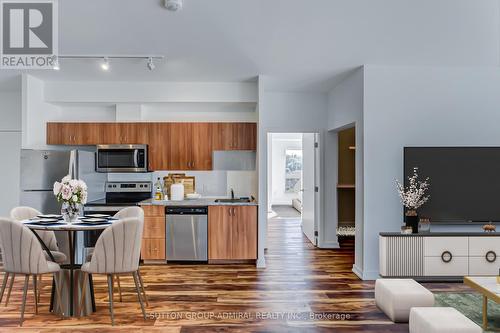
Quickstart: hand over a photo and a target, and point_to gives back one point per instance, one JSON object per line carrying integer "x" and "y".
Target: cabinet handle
{"x": 229, "y": 211}
{"x": 446, "y": 256}
{"x": 491, "y": 256}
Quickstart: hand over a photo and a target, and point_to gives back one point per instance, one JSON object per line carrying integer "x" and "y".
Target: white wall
{"x": 280, "y": 143}
{"x": 35, "y": 113}
{"x": 10, "y": 146}
{"x": 345, "y": 109}
{"x": 287, "y": 112}
{"x": 423, "y": 106}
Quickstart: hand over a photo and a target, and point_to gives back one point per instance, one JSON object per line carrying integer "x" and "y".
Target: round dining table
{"x": 70, "y": 269}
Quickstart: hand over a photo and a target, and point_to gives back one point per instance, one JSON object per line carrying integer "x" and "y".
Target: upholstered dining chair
{"x": 124, "y": 213}
{"x": 23, "y": 255}
{"x": 117, "y": 251}
{"x": 47, "y": 237}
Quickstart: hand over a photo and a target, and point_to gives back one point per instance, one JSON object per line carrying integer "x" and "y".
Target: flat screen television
{"x": 464, "y": 182}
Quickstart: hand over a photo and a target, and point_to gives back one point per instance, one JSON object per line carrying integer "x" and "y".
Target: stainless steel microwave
{"x": 122, "y": 158}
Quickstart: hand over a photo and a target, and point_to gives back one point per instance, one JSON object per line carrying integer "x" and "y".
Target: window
{"x": 293, "y": 172}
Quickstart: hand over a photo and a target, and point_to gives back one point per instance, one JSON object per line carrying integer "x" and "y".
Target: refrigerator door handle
{"x": 72, "y": 164}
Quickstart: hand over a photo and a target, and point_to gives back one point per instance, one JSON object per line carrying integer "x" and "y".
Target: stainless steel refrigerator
{"x": 41, "y": 168}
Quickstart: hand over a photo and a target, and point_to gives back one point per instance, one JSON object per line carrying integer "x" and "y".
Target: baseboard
{"x": 357, "y": 271}
{"x": 329, "y": 245}
{"x": 369, "y": 276}
{"x": 261, "y": 263}
{"x": 365, "y": 276}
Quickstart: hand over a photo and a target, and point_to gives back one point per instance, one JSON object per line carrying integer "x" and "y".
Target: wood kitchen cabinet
{"x": 190, "y": 146}
{"x": 234, "y": 136}
{"x": 130, "y": 133}
{"x": 171, "y": 146}
{"x": 153, "y": 238}
{"x": 232, "y": 232}
{"x": 158, "y": 138}
{"x": 72, "y": 133}
{"x": 201, "y": 146}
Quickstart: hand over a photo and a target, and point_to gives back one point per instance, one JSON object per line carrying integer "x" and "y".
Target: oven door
{"x": 122, "y": 158}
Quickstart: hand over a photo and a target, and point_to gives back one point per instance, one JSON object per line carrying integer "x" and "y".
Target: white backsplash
{"x": 215, "y": 183}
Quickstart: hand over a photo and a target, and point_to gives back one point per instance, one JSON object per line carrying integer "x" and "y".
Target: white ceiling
{"x": 297, "y": 44}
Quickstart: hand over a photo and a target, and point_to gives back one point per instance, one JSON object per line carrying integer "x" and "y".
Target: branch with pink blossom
{"x": 71, "y": 191}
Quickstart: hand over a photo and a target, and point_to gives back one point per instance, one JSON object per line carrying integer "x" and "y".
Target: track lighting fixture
{"x": 105, "y": 64}
{"x": 151, "y": 64}
{"x": 105, "y": 60}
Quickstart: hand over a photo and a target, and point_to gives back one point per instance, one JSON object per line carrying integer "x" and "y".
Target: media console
{"x": 440, "y": 255}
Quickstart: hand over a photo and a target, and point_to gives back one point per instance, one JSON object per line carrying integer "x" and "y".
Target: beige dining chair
{"x": 117, "y": 251}
{"x": 124, "y": 213}
{"x": 48, "y": 238}
{"x": 23, "y": 255}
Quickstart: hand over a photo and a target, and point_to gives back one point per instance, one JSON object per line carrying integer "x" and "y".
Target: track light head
{"x": 173, "y": 5}
{"x": 151, "y": 64}
{"x": 105, "y": 64}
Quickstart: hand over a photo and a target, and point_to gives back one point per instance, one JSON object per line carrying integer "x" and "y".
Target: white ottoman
{"x": 395, "y": 297}
{"x": 442, "y": 320}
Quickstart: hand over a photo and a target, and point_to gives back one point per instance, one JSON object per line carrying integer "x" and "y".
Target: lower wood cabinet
{"x": 232, "y": 232}
{"x": 153, "y": 249}
{"x": 153, "y": 237}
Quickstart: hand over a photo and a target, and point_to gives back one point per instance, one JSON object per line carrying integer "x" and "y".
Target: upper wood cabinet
{"x": 234, "y": 136}
{"x": 158, "y": 138}
{"x": 201, "y": 147}
{"x": 232, "y": 232}
{"x": 131, "y": 133}
{"x": 72, "y": 133}
{"x": 172, "y": 146}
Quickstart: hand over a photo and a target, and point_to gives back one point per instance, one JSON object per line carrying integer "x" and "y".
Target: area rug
{"x": 471, "y": 305}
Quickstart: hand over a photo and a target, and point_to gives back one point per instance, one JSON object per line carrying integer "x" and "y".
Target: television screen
{"x": 464, "y": 182}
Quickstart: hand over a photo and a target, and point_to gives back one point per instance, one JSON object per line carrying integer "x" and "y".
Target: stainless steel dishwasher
{"x": 187, "y": 234}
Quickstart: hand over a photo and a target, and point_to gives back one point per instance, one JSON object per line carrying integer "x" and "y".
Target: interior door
{"x": 308, "y": 186}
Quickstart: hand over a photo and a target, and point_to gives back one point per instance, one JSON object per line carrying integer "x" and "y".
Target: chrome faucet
{"x": 232, "y": 194}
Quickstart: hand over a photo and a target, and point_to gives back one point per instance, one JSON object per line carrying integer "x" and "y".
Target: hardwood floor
{"x": 299, "y": 281}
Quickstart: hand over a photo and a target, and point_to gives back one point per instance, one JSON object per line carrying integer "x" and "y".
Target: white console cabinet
{"x": 439, "y": 255}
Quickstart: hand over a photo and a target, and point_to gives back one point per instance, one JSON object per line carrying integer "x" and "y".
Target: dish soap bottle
{"x": 158, "y": 190}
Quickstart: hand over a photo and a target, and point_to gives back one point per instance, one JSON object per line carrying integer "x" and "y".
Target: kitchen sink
{"x": 232, "y": 200}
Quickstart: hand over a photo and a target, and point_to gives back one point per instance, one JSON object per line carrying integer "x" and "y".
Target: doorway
{"x": 293, "y": 175}
{"x": 346, "y": 188}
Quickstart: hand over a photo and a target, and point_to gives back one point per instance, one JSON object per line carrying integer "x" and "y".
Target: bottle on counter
{"x": 158, "y": 190}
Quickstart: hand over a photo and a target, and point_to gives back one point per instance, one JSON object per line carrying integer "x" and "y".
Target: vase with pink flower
{"x": 72, "y": 193}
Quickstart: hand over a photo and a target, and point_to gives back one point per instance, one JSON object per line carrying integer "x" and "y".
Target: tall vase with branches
{"x": 413, "y": 197}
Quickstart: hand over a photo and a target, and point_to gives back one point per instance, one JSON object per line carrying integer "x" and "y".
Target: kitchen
{"x": 205, "y": 222}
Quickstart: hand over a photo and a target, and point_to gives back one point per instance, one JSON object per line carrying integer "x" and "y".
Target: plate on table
{"x": 44, "y": 221}
{"x": 98, "y": 216}
{"x": 49, "y": 216}
{"x": 94, "y": 220}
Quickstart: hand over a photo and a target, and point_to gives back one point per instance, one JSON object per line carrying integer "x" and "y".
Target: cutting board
{"x": 188, "y": 181}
